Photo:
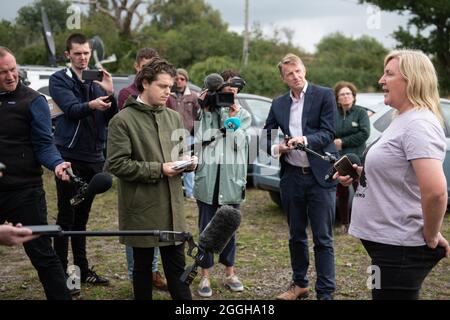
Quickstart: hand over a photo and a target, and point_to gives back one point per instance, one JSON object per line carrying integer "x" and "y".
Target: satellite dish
{"x": 98, "y": 52}
{"x": 48, "y": 37}
{"x": 98, "y": 48}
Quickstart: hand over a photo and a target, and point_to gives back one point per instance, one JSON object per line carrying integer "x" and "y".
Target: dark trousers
{"x": 205, "y": 213}
{"x": 173, "y": 260}
{"x": 74, "y": 218}
{"x": 344, "y": 203}
{"x": 304, "y": 200}
{"x": 402, "y": 269}
{"x": 28, "y": 207}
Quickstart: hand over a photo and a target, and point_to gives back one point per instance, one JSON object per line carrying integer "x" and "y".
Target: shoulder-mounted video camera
{"x": 214, "y": 98}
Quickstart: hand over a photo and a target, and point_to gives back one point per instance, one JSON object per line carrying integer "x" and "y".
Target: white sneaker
{"x": 233, "y": 283}
{"x": 204, "y": 288}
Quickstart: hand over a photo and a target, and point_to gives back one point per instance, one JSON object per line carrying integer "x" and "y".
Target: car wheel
{"x": 275, "y": 196}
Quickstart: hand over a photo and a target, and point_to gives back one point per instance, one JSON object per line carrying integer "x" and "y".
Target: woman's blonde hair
{"x": 420, "y": 75}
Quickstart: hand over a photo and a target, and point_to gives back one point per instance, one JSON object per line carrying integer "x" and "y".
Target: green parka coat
{"x": 140, "y": 139}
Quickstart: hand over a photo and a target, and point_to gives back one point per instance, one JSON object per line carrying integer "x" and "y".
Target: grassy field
{"x": 262, "y": 260}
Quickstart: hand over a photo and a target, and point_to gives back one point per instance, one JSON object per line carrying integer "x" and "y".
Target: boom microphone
{"x": 220, "y": 229}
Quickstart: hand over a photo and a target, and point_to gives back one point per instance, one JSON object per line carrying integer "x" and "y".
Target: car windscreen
{"x": 259, "y": 109}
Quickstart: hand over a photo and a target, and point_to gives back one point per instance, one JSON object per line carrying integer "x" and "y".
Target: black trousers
{"x": 173, "y": 260}
{"x": 402, "y": 269}
{"x": 74, "y": 218}
{"x": 28, "y": 207}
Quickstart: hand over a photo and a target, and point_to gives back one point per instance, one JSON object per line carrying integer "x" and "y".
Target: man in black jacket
{"x": 80, "y": 135}
{"x": 25, "y": 144}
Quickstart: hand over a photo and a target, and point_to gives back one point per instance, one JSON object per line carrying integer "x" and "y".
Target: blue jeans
{"x": 188, "y": 177}
{"x": 402, "y": 269}
{"x": 305, "y": 201}
{"x": 130, "y": 260}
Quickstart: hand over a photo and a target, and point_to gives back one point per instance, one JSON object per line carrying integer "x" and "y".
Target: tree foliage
{"x": 121, "y": 12}
{"x": 192, "y": 35}
{"x": 428, "y": 30}
{"x": 342, "y": 58}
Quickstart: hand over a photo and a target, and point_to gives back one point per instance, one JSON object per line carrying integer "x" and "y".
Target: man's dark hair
{"x": 146, "y": 53}
{"x": 151, "y": 70}
{"x": 4, "y": 51}
{"x": 78, "y": 38}
{"x": 228, "y": 74}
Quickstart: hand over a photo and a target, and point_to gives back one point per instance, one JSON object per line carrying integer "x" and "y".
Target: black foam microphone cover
{"x": 220, "y": 229}
{"x": 354, "y": 159}
{"x": 100, "y": 183}
{"x": 213, "y": 82}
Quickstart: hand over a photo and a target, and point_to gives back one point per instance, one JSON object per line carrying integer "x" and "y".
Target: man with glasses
{"x": 185, "y": 102}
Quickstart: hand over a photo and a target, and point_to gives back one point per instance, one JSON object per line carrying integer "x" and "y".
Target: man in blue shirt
{"x": 25, "y": 144}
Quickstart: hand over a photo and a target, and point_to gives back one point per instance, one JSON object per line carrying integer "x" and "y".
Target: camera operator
{"x": 80, "y": 135}
{"x": 221, "y": 175}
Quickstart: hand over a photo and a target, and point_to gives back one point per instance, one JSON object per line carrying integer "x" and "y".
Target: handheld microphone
{"x": 230, "y": 124}
{"x": 328, "y": 157}
{"x": 220, "y": 229}
{"x": 99, "y": 183}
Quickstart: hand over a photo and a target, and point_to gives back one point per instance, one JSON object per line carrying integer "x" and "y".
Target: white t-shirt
{"x": 388, "y": 209}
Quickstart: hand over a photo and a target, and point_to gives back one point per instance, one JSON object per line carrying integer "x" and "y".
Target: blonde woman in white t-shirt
{"x": 400, "y": 204}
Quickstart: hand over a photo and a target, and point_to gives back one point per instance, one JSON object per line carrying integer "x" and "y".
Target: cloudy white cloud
{"x": 310, "y": 21}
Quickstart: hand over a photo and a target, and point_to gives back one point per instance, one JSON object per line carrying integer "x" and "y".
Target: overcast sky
{"x": 310, "y": 20}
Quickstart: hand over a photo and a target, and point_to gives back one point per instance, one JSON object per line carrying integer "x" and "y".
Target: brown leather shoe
{"x": 158, "y": 281}
{"x": 294, "y": 293}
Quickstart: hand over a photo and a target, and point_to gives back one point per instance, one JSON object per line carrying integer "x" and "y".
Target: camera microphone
{"x": 213, "y": 82}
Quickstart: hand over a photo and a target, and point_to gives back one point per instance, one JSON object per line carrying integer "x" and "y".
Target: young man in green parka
{"x": 143, "y": 145}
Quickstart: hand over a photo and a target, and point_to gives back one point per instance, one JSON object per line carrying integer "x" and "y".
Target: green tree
{"x": 342, "y": 58}
{"x": 432, "y": 31}
{"x": 30, "y": 16}
{"x": 8, "y": 35}
{"x": 170, "y": 14}
{"x": 121, "y": 12}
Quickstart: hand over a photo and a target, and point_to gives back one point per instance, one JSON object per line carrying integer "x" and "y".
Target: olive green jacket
{"x": 231, "y": 152}
{"x": 140, "y": 139}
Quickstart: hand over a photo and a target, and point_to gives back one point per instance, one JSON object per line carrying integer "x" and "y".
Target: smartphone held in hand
{"x": 345, "y": 167}
{"x": 92, "y": 75}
